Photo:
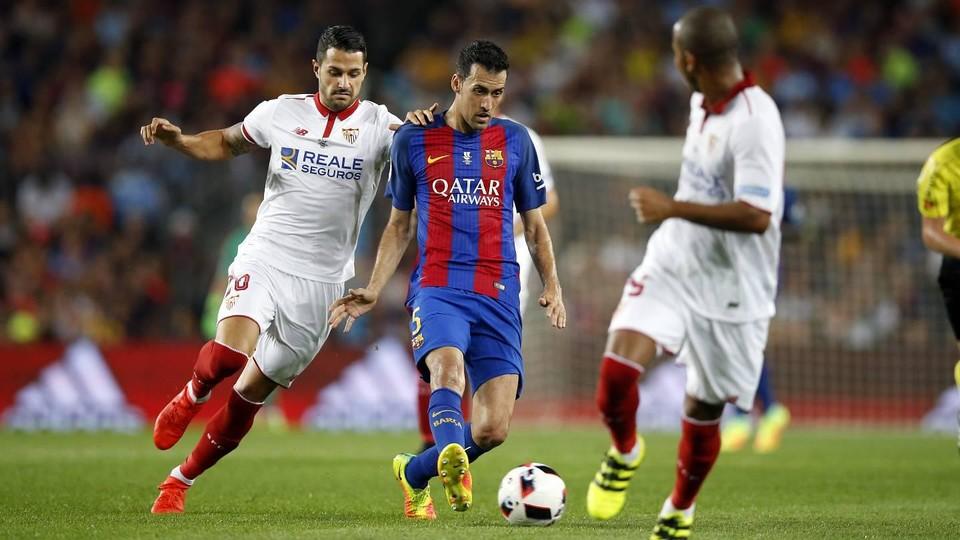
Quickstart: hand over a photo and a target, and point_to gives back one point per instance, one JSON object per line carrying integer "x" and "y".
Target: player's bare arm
{"x": 653, "y": 206}
{"x": 393, "y": 243}
{"x": 936, "y": 239}
{"x": 216, "y": 144}
{"x": 541, "y": 249}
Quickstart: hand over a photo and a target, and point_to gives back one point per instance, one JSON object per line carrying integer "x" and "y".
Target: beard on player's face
{"x": 337, "y": 98}
{"x": 341, "y": 75}
{"x": 480, "y": 94}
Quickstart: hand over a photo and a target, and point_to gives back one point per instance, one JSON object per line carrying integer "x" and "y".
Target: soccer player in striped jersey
{"x": 524, "y": 260}
{"x": 464, "y": 173}
{"x": 938, "y": 197}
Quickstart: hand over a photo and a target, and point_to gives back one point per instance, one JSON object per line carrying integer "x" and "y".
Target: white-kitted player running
{"x": 705, "y": 289}
{"x": 327, "y": 153}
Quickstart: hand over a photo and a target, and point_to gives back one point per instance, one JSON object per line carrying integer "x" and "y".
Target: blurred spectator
{"x": 101, "y": 238}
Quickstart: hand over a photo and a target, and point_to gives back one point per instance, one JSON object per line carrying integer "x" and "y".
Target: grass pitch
{"x": 821, "y": 484}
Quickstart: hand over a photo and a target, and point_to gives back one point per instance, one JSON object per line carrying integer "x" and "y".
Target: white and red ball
{"x": 532, "y": 494}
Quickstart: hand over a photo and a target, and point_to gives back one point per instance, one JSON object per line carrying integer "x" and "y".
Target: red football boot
{"x": 174, "y": 419}
{"x": 173, "y": 493}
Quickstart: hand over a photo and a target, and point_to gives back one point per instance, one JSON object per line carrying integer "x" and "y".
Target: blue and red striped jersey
{"x": 464, "y": 188}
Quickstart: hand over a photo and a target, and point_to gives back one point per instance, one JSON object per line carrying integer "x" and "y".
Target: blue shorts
{"x": 485, "y": 330}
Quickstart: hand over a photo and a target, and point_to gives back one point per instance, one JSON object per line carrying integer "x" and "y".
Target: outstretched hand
{"x": 350, "y": 307}
{"x": 160, "y": 129}
{"x": 552, "y": 301}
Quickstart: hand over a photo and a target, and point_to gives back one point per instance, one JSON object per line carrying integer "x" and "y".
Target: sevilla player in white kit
{"x": 705, "y": 290}
{"x": 327, "y": 153}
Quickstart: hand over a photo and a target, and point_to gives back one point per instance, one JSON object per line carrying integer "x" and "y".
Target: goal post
{"x": 860, "y": 333}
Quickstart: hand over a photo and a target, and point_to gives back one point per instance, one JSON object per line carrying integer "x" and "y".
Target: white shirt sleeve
{"x": 257, "y": 125}
{"x": 386, "y": 120}
{"x": 546, "y": 173}
{"x": 758, "y": 154}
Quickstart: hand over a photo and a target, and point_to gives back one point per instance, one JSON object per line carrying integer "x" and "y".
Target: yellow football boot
{"x": 417, "y": 503}
{"x": 735, "y": 433}
{"x": 608, "y": 491}
{"x": 770, "y": 429}
{"x": 453, "y": 466}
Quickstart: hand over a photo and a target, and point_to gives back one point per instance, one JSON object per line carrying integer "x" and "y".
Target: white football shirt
{"x": 734, "y": 151}
{"x": 324, "y": 172}
{"x": 546, "y": 174}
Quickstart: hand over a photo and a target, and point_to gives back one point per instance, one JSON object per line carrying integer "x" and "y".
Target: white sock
{"x": 193, "y": 397}
{"x": 632, "y": 455}
{"x": 179, "y": 476}
{"x": 668, "y": 508}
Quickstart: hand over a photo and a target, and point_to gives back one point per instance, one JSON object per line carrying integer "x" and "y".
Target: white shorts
{"x": 723, "y": 359}
{"x": 291, "y": 312}
{"x": 525, "y": 260}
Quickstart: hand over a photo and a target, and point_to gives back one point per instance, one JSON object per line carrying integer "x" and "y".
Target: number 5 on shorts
{"x": 416, "y": 340}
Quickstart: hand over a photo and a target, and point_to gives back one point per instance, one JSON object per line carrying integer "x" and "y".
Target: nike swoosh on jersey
{"x": 431, "y": 160}
{"x": 434, "y": 415}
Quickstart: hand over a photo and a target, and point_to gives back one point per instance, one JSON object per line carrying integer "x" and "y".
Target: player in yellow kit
{"x": 938, "y": 197}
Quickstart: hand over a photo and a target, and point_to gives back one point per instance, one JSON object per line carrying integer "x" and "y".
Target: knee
{"x": 489, "y": 436}
{"x": 217, "y": 361}
{"x": 253, "y": 386}
{"x": 446, "y": 369}
{"x": 701, "y": 410}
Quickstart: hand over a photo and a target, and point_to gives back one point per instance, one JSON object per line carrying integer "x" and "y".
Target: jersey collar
{"x": 342, "y": 115}
{"x": 719, "y": 106}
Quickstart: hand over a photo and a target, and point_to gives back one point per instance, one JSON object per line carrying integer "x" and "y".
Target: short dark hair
{"x": 485, "y": 53}
{"x": 342, "y": 37}
{"x": 710, "y": 34}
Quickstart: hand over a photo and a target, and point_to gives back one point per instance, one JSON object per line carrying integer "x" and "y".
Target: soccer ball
{"x": 532, "y": 494}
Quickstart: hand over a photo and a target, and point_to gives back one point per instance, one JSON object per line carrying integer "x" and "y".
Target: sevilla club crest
{"x": 351, "y": 134}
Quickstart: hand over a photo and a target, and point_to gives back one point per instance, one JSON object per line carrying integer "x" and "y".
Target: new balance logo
{"x": 77, "y": 392}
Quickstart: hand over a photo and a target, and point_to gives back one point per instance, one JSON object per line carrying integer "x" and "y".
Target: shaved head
{"x": 709, "y": 35}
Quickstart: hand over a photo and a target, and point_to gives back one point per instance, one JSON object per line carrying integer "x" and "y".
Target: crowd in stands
{"x": 104, "y": 237}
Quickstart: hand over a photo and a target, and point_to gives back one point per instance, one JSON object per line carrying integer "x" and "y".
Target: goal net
{"x": 860, "y": 333}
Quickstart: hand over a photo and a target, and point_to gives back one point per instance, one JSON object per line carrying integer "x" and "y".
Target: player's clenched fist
{"x": 354, "y": 304}
{"x": 160, "y": 129}
{"x": 651, "y": 205}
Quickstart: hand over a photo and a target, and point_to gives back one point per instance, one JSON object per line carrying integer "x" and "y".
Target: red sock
{"x": 698, "y": 450}
{"x": 423, "y": 403}
{"x": 222, "y": 435}
{"x": 618, "y": 399}
{"x": 215, "y": 363}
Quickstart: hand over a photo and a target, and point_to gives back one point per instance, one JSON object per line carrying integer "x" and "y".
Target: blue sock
{"x": 765, "y": 389}
{"x": 446, "y": 418}
{"x": 473, "y": 449}
{"x": 422, "y": 467}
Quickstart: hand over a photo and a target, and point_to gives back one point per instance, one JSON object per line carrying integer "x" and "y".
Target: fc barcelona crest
{"x": 351, "y": 134}
{"x": 493, "y": 158}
